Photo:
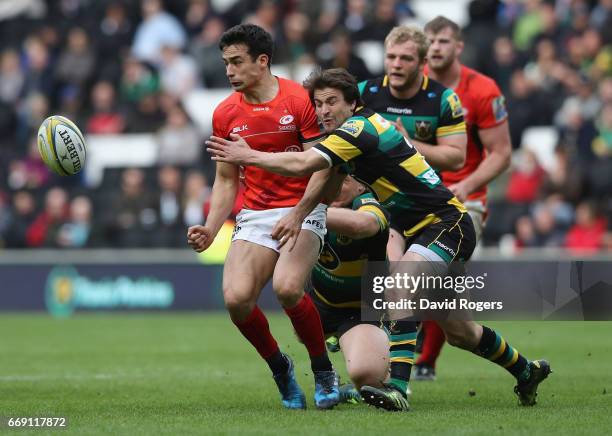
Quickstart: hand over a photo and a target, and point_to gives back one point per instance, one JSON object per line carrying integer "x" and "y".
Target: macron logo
{"x": 445, "y": 247}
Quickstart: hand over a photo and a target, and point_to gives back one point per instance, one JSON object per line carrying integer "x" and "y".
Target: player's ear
{"x": 263, "y": 59}
{"x": 459, "y": 49}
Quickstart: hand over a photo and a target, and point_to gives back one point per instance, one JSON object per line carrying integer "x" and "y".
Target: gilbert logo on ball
{"x": 61, "y": 145}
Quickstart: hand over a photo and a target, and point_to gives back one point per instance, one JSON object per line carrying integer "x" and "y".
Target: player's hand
{"x": 235, "y": 151}
{"x": 199, "y": 238}
{"x": 400, "y": 127}
{"x": 460, "y": 191}
{"x": 287, "y": 230}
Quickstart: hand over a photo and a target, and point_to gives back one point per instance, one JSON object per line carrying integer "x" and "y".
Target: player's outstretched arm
{"x": 222, "y": 200}
{"x": 496, "y": 140}
{"x": 355, "y": 224}
{"x": 320, "y": 185}
{"x": 237, "y": 152}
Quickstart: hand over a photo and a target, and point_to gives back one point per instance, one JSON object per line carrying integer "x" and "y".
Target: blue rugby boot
{"x": 327, "y": 393}
{"x": 292, "y": 395}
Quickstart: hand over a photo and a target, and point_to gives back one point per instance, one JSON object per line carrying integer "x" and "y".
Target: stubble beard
{"x": 409, "y": 82}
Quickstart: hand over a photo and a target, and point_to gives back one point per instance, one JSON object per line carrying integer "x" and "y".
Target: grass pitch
{"x": 194, "y": 374}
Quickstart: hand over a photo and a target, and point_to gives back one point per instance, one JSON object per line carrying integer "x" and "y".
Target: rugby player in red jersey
{"x": 488, "y": 149}
{"x": 274, "y": 115}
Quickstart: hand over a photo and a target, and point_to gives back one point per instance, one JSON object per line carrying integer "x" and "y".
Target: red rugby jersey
{"x": 484, "y": 107}
{"x": 282, "y": 124}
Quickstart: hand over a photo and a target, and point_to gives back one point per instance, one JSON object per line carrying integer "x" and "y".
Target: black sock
{"x": 278, "y": 363}
{"x": 321, "y": 363}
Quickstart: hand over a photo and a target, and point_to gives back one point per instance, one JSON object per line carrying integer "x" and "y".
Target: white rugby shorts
{"x": 476, "y": 209}
{"x": 256, "y": 225}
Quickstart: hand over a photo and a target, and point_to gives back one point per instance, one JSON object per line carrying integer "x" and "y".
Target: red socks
{"x": 432, "y": 343}
{"x": 257, "y": 330}
{"x": 307, "y": 323}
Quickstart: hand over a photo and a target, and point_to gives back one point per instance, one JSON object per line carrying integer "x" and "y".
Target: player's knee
{"x": 288, "y": 290}
{"x": 462, "y": 338}
{"x": 237, "y": 302}
{"x": 362, "y": 375}
{"x": 455, "y": 339}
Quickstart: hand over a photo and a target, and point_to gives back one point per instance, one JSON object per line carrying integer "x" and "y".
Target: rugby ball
{"x": 61, "y": 145}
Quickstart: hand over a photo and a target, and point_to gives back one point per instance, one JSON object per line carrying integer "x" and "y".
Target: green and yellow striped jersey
{"x": 398, "y": 174}
{"x": 336, "y": 278}
{"x": 433, "y": 112}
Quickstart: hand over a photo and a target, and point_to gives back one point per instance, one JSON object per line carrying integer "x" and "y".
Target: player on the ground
{"x": 275, "y": 115}
{"x": 439, "y": 227}
{"x": 358, "y": 231}
{"x": 488, "y": 150}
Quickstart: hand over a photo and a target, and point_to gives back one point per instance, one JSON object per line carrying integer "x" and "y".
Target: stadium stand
{"x": 114, "y": 67}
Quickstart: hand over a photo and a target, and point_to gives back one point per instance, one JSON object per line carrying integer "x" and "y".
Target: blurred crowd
{"x": 124, "y": 66}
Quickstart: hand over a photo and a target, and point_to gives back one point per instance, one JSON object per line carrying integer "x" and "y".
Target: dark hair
{"x": 440, "y": 23}
{"x": 336, "y": 78}
{"x": 256, "y": 39}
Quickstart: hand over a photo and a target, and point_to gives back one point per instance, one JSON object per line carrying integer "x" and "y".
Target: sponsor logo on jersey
{"x": 455, "y": 105}
{"x": 499, "y": 108}
{"x": 289, "y": 128}
{"x": 328, "y": 258}
{"x": 430, "y": 178}
{"x": 382, "y": 121}
{"x": 374, "y": 89}
{"x": 240, "y": 128}
{"x": 352, "y": 127}
{"x": 445, "y": 247}
{"x": 431, "y": 95}
{"x": 367, "y": 200}
{"x": 261, "y": 108}
{"x": 293, "y": 148}
{"x": 422, "y": 129}
{"x": 399, "y": 110}
{"x": 286, "y": 119}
